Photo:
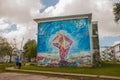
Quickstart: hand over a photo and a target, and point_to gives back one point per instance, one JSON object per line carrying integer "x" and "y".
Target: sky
{"x": 16, "y": 17}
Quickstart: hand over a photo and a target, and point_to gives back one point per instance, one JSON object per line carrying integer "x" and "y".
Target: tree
{"x": 116, "y": 11}
{"x": 5, "y": 47}
{"x": 30, "y": 48}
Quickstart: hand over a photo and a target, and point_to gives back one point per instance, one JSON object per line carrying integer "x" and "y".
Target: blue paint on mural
{"x": 75, "y": 30}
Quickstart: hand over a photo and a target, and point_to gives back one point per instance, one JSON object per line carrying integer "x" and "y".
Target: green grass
{"x": 2, "y": 68}
{"x": 110, "y": 69}
{"x": 4, "y": 65}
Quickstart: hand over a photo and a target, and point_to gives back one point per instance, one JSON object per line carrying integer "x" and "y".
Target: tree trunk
{"x": 10, "y": 58}
{"x": 29, "y": 59}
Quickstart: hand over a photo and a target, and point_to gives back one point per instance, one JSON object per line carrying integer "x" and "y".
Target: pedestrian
{"x": 20, "y": 63}
{"x": 17, "y": 62}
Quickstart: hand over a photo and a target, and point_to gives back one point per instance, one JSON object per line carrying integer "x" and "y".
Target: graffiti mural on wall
{"x": 64, "y": 43}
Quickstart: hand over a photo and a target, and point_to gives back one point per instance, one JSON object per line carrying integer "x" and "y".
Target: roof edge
{"x": 38, "y": 20}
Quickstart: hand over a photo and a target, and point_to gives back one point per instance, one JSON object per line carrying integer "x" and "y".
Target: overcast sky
{"x": 16, "y": 17}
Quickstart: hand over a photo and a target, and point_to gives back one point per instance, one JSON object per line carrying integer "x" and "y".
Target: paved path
{"x": 20, "y": 76}
{"x": 103, "y": 77}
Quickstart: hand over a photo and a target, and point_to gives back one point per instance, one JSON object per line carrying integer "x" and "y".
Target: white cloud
{"x": 18, "y": 35}
{"x": 49, "y": 9}
{"x": 6, "y": 26}
{"x": 3, "y": 24}
{"x": 56, "y": 10}
{"x": 102, "y": 11}
{"x": 22, "y": 13}
{"x": 116, "y": 42}
{"x": 19, "y": 11}
{"x": 60, "y": 7}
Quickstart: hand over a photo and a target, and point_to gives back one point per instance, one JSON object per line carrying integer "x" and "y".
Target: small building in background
{"x": 117, "y": 51}
{"x": 111, "y": 53}
{"x": 107, "y": 54}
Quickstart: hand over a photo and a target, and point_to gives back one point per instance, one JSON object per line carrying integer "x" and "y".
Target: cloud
{"x": 6, "y": 26}
{"x": 21, "y": 31}
{"x": 116, "y": 42}
{"x": 19, "y": 11}
{"x": 102, "y": 11}
{"x": 16, "y": 34}
{"x": 48, "y": 3}
{"x": 17, "y": 16}
{"x": 16, "y": 19}
{"x": 54, "y": 10}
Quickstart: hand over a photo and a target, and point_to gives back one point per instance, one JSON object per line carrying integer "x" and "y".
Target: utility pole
{"x": 22, "y": 43}
{"x": 21, "y": 50}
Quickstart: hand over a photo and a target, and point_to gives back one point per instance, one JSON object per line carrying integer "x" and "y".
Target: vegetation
{"x": 2, "y": 68}
{"x": 116, "y": 11}
{"x": 110, "y": 69}
{"x": 5, "y": 48}
{"x": 30, "y": 48}
{"x": 4, "y": 65}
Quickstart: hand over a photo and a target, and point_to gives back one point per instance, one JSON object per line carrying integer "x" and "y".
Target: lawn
{"x": 110, "y": 69}
{"x": 4, "y": 65}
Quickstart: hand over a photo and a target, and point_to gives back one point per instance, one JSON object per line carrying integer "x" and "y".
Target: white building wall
{"x": 117, "y": 48}
{"x": 117, "y": 52}
{"x": 117, "y": 56}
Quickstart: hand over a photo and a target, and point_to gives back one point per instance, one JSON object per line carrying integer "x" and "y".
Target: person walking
{"x": 20, "y": 63}
{"x": 17, "y": 62}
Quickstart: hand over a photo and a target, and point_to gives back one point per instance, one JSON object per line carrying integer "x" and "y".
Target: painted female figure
{"x": 63, "y": 43}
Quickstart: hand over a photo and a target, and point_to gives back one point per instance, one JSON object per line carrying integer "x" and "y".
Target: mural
{"x": 64, "y": 43}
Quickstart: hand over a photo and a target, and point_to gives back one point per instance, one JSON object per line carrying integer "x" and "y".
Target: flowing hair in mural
{"x": 63, "y": 43}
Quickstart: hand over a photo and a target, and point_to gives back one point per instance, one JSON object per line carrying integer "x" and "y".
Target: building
{"x": 64, "y": 37}
{"x": 111, "y": 53}
{"x": 107, "y": 54}
{"x": 117, "y": 52}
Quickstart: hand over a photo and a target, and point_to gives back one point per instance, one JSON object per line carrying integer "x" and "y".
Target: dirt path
{"x": 20, "y": 76}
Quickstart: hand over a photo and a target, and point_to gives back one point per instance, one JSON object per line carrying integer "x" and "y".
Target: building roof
{"x": 89, "y": 16}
